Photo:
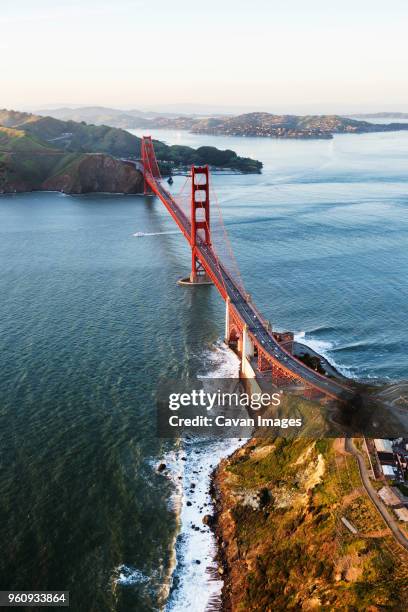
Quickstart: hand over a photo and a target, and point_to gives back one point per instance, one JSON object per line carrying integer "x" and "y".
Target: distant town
{"x": 259, "y": 124}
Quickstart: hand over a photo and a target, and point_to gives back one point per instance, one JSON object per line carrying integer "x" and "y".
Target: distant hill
{"x": 100, "y": 115}
{"x": 385, "y": 115}
{"x": 290, "y": 126}
{"x": 249, "y": 124}
{"x": 43, "y": 153}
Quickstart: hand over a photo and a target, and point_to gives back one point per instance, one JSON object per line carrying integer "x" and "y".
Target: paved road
{"x": 256, "y": 326}
{"x": 379, "y": 504}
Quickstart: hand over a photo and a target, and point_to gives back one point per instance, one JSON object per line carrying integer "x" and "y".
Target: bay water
{"x": 92, "y": 321}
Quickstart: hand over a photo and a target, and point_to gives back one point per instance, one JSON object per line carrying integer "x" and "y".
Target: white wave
{"x": 174, "y": 471}
{"x": 314, "y": 343}
{"x": 194, "y": 585}
{"x": 323, "y": 348}
{"x": 125, "y": 575}
{"x": 221, "y": 362}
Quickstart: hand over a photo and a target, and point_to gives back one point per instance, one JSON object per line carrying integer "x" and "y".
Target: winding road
{"x": 372, "y": 493}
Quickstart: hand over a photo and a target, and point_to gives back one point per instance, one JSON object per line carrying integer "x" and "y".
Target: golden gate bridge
{"x": 263, "y": 352}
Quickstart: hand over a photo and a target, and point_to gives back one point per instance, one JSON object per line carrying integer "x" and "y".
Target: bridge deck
{"x": 257, "y": 329}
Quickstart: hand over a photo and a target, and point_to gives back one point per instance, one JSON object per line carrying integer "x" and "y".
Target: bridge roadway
{"x": 256, "y": 327}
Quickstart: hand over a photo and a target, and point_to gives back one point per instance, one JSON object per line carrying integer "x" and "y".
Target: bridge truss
{"x": 213, "y": 260}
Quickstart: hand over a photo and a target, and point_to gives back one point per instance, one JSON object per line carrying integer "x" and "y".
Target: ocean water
{"x": 321, "y": 241}
{"x": 92, "y": 320}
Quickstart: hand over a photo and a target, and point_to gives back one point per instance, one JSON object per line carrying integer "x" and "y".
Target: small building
{"x": 390, "y": 497}
{"x": 384, "y": 450}
{"x": 403, "y": 498}
{"x": 402, "y": 514}
{"x": 285, "y": 339}
{"x": 383, "y": 446}
{"x": 389, "y": 471}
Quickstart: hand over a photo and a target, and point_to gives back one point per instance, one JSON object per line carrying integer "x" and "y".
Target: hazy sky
{"x": 257, "y": 53}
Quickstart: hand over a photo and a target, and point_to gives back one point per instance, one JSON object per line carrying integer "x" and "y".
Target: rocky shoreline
{"x": 87, "y": 173}
{"x": 231, "y": 567}
{"x": 278, "y": 502}
{"x": 223, "y": 530}
{"x": 300, "y": 350}
{"x": 281, "y": 542}
{"x": 99, "y": 174}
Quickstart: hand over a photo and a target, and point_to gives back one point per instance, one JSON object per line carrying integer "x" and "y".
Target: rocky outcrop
{"x": 94, "y": 173}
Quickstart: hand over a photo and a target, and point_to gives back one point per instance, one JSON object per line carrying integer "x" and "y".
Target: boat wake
{"x": 144, "y": 234}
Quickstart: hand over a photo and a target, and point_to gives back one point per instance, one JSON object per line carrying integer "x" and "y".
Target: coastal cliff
{"x": 38, "y": 153}
{"x": 96, "y": 173}
{"x": 27, "y": 164}
{"x": 282, "y": 542}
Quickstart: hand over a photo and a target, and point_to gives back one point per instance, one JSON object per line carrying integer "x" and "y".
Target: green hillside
{"x": 280, "y": 510}
{"x": 25, "y": 161}
{"x": 71, "y": 136}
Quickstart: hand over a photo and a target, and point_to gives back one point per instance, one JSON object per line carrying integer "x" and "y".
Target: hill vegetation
{"x": 290, "y": 126}
{"x": 249, "y": 124}
{"x": 285, "y": 546}
{"x": 34, "y": 149}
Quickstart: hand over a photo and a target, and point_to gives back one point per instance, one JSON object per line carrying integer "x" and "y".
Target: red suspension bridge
{"x": 263, "y": 351}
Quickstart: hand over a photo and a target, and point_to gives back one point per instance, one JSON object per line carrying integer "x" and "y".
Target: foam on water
{"x": 329, "y": 256}
{"x": 195, "y": 581}
{"x": 318, "y": 345}
{"x": 125, "y": 575}
{"x": 323, "y": 348}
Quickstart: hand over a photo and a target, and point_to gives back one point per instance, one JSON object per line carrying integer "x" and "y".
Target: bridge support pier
{"x": 187, "y": 282}
{"x": 247, "y": 353}
{"x": 198, "y": 276}
{"x": 227, "y": 320}
{"x": 247, "y": 344}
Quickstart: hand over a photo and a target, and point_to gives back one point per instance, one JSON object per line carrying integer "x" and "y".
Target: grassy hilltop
{"x": 46, "y": 153}
{"x": 285, "y": 546}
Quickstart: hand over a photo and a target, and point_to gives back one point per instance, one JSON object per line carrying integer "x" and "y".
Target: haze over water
{"x": 92, "y": 320}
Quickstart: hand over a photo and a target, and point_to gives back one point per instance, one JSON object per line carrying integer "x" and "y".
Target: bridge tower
{"x": 200, "y": 220}
{"x": 149, "y": 161}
